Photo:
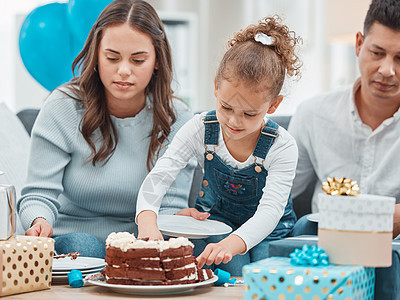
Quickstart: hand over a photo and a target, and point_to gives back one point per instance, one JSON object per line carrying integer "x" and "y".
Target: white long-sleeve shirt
{"x": 189, "y": 142}
{"x": 333, "y": 141}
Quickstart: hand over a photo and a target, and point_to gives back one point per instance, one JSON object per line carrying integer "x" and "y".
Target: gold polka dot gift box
{"x": 25, "y": 264}
{"x": 276, "y": 278}
{"x": 355, "y": 228}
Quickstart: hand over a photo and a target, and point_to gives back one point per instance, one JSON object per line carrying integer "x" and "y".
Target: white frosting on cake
{"x": 175, "y": 243}
{"x": 189, "y": 266}
{"x": 205, "y": 275}
{"x": 190, "y": 277}
{"x": 141, "y": 244}
{"x": 126, "y": 240}
{"x": 176, "y": 258}
{"x": 178, "y": 242}
{"x": 123, "y": 240}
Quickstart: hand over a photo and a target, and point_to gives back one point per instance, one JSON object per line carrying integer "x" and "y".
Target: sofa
{"x": 301, "y": 204}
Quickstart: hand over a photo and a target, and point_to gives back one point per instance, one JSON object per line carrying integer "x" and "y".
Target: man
{"x": 355, "y": 132}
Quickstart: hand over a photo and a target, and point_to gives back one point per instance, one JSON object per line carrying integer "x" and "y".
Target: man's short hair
{"x": 385, "y": 12}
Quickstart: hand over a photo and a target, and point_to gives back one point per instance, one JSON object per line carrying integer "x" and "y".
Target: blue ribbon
{"x": 309, "y": 256}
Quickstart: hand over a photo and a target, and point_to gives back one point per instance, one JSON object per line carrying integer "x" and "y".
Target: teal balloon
{"x": 45, "y": 45}
{"x": 82, "y": 14}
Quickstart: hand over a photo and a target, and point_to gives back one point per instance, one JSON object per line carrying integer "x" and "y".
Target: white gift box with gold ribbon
{"x": 7, "y": 211}
{"x": 356, "y": 230}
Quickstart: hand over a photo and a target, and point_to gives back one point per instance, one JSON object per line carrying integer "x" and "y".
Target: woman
{"x": 97, "y": 137}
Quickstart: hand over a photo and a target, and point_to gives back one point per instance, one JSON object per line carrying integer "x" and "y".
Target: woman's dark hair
{"x": 89, "y": 90}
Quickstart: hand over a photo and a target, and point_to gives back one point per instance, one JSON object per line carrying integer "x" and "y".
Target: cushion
{"x": 14, "y": 151}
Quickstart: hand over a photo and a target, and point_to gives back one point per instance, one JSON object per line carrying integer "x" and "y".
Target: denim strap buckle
{"x": 212, "y": 121}
{"x": 209, "y": 121}
{"x": 270, "y": 134}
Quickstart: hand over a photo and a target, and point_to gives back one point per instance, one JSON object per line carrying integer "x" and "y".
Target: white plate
{"x": 64, "y": 278}
{"x": 80, "y": 263}
{"x": 94, "y": 270}
{"x": 313, "y": 217}
{"x": 152, "y": 289}
{"x": 176, "y": 225}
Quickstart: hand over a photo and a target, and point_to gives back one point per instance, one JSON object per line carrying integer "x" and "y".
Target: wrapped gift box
{"x": 7, "y": 211}
{"x": 356, "y": 230}
{"x": 25, "y": 264}
{"x": 277, "y": 278}
{"x": 387, "y": 280}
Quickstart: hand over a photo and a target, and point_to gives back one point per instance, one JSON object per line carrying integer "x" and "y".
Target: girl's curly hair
{"x": 261, "y": 67}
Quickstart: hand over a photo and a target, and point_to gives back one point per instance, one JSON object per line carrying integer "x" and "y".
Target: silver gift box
{"x": 7, "y": 211}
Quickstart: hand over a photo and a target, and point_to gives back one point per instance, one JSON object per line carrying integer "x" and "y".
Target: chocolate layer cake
{"x": 142, "y": 262}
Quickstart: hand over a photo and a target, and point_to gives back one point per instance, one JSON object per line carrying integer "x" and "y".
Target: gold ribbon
{"x": 355, "y": 231}
{"x": 11, "y": 203}
{"x": 340, "y": 186}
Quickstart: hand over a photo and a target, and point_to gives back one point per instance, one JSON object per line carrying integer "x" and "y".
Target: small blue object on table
{"x": 75, "y": 278}
{"x": 387, "y": 280}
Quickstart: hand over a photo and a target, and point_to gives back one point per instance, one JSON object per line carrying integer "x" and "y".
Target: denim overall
{"x": 231, "y": 195}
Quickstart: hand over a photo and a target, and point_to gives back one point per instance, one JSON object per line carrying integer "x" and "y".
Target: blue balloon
{"x": 45, "y": 45}
{"x": 82, "y": 14}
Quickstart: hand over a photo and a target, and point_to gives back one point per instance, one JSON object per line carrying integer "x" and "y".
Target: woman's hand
{"x": 194, "y": 213}
{"x": 40, "y": 227}
{"x": 221, "y": 252}
{"x": 147, "y": 226}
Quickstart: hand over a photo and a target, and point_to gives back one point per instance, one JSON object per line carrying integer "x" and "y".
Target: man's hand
{"x": 40, "y": 227}
{"x": 194, "y": 213}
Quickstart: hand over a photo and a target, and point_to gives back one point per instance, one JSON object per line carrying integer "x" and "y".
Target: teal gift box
{"x": 277, "y": 278}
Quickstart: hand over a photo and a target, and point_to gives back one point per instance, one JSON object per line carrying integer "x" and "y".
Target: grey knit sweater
{"x": 75, "y": 196}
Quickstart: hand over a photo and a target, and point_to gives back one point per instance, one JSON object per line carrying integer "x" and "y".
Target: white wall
{"x": 325, "y": 26}
{"x": 10, "y": 60}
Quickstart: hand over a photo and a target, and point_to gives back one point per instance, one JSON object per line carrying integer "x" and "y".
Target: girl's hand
{"x": 40, "y": 227}
{"x": 222, "y": 252}
{"x": 192, "y": 212}
{"x": 214, "y": 253}
{"x": 151, "y": 233}
{"x": 147, "y": 226}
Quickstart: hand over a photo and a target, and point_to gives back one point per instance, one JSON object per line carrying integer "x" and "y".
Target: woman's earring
{"x": 95, "y": 69}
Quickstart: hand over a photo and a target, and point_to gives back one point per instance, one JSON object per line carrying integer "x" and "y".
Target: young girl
{"x": 96, "y": 138}
{"x": 249, "y": 161}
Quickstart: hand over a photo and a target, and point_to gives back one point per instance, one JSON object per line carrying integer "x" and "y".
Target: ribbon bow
{"x": 340, "y": 186}
{"x": 309, "y": 256}
{"x": 264, "y": 39}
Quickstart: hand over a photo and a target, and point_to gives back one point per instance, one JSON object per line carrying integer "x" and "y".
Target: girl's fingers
{"x": 227, "y": 258}
{"x": 194, "y": 213}
{"x": 214, "y": 253}
{"x": 202, "y": 258}
{"x": 199, "y": 215}
{"x": 219, "y": 258}
{"x": 215, "y": 250}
